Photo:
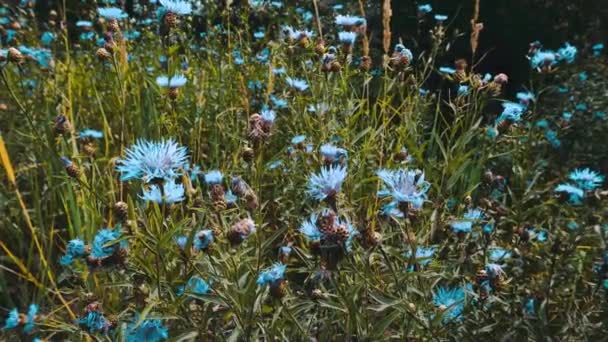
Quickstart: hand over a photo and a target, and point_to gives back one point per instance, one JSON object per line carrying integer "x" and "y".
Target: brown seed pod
{"x": 103, "y": 54}
{"x": 121, "y": 211}
{"x": 366, "y": 63}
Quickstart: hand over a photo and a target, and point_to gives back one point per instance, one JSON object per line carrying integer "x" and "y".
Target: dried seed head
{"x": 15, "y": 55}
{"x": 366, "y": 63}
{"x": 62, "y": 124}
{"x": 103, "y": 54}
{"x": 121, "y": 211}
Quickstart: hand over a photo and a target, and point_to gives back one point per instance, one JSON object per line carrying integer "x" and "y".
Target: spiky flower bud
{"x": 71, "y": 168}
{"x": 121, "y": 211}
{"x": 62, "y": 124}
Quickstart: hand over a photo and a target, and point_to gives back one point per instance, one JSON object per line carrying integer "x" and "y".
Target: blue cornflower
{"x": 214, "y": 177}
{"x": 572, "y": 225}
{"x": 491, "y": 132}
{"x": 424, "y": 255}
{"x": 285, "y": 250}
{"x": 583, "y": 76}
{"x": 298, "y": 139}
{"x": 268, "y": 115}
{"x": 441, "y": 18}
{"x": 525, "y": 97}
{"x": 347, "y": 38}
{"x": 567, "y": 53}
{"x": 43, "y": 57}
{"x": 332, "y": 154}
{"x": 196, "y": 285}
{"x": 567, "y": 116}
{"x": 542, "y": 59}
{"x": 319, "y": 108}
{"x": 112, "y": 13}
{"x": 272, "y": 275}
{"x": 488, "y": 228}
{"x": 581, "y": 106}
{"x": 90, "y": 133}
{"x": 463, "y": 90}
{"x": 542, "y": 123}
{"x": 494, "y": 270}
{"x": 102, "y": 243}
{"x": 84, "y": 23}
{"x": 447, "y": 70}
{"x": 402, "y": 186}
{"x": 177, "y": 7}
{"x": 575, "y": 194}
{"x": 47, "y": 38}
{"x": 425, "y": 8}
{"x": 203, "y": 239}
{"x": 279, "y": 71}
{"x": 327, "y": 183}
{"x": 529, "y": 306}
{"x": 150, "y": 330}
{"x": 296, "y": 83}
{"x": 278, "y": 103}
{"x": 470, "y": 217}
{"x": 181, "y": 241}
{"x": 174, "y": 81}
{"x": 597, "y": 49}
{"x": 600, "y": 115}
{"x": 259, "y": 34}
{"x": 450, "y": 301}
{"x": 542, "y": 235}
{"x": 75, "y": 248}
{"x": 30, "y": 318}
{"x": 511, "y": 111}
{"x": 12, "y": 320}
{"x": 498, "y": 254}
{"x": 275, "y": 164}
{"x": 309, "y": 228}
{"x": 151, "y": 160}
{"x": 586, "y": 179}
{"x": 171, "y": 193}
{"x": 95, "y": 321}
{"x": 551, "y": 136}
{"x": 349, "y": 20}
{"x": 297, "y": 34}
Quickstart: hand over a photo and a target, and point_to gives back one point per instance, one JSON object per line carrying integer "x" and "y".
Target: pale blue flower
{"x": 494, "y": 270}
{"x": 597, "y": 49}
{"x": 151, "y": 160}
{"x": 424, "y": 255}
{"x": 296, "y": 83}
{"x": 90, "y": 133}
{"x": 402, "y": 186}
{"x": 404, "y": 52}
{"x": 75, "y": 248}
{"x": 586, "y": 179}
{"x": 177, "y": 7}
{"x": 332, "y": 154}
{"x": 268, "y": 115}
{"x": 347, "y": 37}
{"x": 498, "y": 254}
{"x": 349, "y": 20}
{"x": 112, "y": 13}
{"x": 463, "y": 90}
{"x": 102, "y": 243}
{"x": 327, "y": 183}
{"x": 203, "y": 239}
{"x": 551, "y": 136}
{"x": 150, "y": 330}
{"x": 447, "y": 70}
{"x": 196, "y": 285}
{"x": 47, "y": 38}
{"x": 30, "y": 318}
{"x": 525, "y": 97}
{"x": 309, "y": 228}
{"x": 174, "y": 81}
{"x": 543, "y": 58}
{"x": 567, "y": 53}
{"x": 441, "y": 18}
{"x": 214, "y": 177}
{"x": 298, "y": 139}
{"x": 470, "y": 217}
{"x": 272, "y": 275}
{"x": 575, "y": 194}
{"x": 12, "y": 320}
{"x": 171, "y": 193}
{"x": 451, "y": 300}
{"x": 512, "y": 112}
{"x": 95, "y": 321}
{"x": 84, "y": 23}
{"x": 425, "y": 8}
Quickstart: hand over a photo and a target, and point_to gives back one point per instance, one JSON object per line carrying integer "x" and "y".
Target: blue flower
{"x": 567, "y": 53}
{"x": 491, "y": 132}
{"x": 94, "y": 321}
{"x": 551, "y": 136}
{"x": 171, "y": 193}
{"x": 463, "y": 90}
{"x": 90, "y": 133}
{"x": 311, "y": 231}
{"x": 525, "y": 97}
{"x": 272, "y": 275}
{"x": 214, "y": 177}
{"x": 567, "y": 116}
{"x": 84, "y": 23}
{"x": 447, "y": 70}
{"x": 47, "y": 38}
{"x": 597, "y": 49}
{"x": 297, "y": 83}
{"x": 494, "y": 270}
{"x": 402, "y": 186}
{"x": 297, "y": 34}
{"x": 259, "y": 34}
{"x": 177, "y": 7}
{"x": 349, "y": 20}
{"x": 332, "y": 154}
{"x": 151, "y": 160}
{"x": 298, "y": 139}
{"x": 30, "y": 318}
{"x": 75, "y": 248}
{"x": 278, "y": 103}
{"x": 112, "y": 13}
{"x": 150, "y": 330}
{"x": 498, "y": 254}
{"x": 425, "y": 8}
{"x": 586, "y": 179}
{"x": 203, "y": 239}
{"x": 512, "y": 112}
{"x": 268, "y": 115}
{"x": 441, "y": 18}
{"x": 470, "y": 217}
{"x": 542, "y": 123}
{"x": 583, "y": 76}
{"x": 424, "y": 255}
{"x": 102, "y": 243}
{"x": 12, "y": 320}
{"x": 450, "y": 301}
{"x": 279, "y": 71}
{"x": 542, "y": 59}
{"x": 575, "y": 194}
{"x": 196, "y": 285}
{"x": 529, "y": 306}
{"x": 572, "y": 225}
{"x": 175, "y": 81}
{"x": 347, "y": 38}
{"x": 327, "y": 183}
{"x": 309, "y": 228}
